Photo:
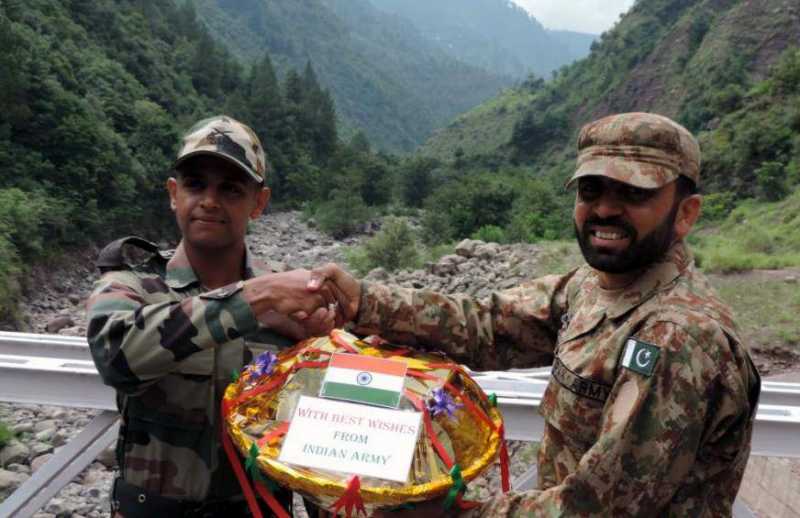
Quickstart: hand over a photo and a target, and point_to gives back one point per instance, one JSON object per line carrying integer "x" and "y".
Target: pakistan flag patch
{"x": 640, "y": 356}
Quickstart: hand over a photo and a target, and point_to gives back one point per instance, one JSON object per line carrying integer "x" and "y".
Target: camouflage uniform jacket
{"x": 169, "y": 347}
{"x": 650, "y": 406}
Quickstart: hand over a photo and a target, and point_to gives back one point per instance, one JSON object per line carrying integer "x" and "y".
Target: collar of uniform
{"x": 180, "y": 273}
{"x": 676, "y": 261}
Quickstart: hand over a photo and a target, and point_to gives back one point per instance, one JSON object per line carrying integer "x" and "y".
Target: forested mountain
{"x": 93, "y": 99}
{"x": 727, "y": 69}
{"x": 386, "y": 78}
{"x": 496, "y": 35}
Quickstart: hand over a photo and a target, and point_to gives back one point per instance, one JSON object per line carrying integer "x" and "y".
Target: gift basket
{"x": 354, "y": 425}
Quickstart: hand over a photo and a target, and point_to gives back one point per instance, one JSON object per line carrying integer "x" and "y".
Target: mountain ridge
{"x": 398, "y": 97}
{"x": 498, "y": 35}
{"x": 700, "y": 62}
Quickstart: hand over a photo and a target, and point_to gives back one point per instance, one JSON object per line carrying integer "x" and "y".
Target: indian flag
{"x": 364, "y": 379}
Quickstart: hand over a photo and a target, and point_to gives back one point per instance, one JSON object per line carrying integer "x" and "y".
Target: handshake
{"x": 302, "y": 303}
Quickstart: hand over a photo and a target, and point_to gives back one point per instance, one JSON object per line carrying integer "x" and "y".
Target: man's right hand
{"x": 343, "y": 286}
{"x": 286, "y": 293}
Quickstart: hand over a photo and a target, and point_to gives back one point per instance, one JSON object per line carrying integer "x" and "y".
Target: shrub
{"x": 22, "y": 216}
{"x": 9, "y": 287}
{"x": 539, "y": 213}
{"x": 415, "y": 180}
{"x": 786, "y": 73}
{"x": 5, "y": 434}
{"x": 755, "y": 239}
{"x": 26, "y": 221}
{"x": 393, "y": 248}
{"x": 490, "y": 234}
{"x": 473, "y": 202}
{"x": 718, "y": 205}
{"x": 771, "y": 179}
{"x": 436, "y": 227}
{"x": 342, "y": 215}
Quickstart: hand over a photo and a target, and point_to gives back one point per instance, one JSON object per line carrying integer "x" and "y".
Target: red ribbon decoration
{"x": 426, "y": 419}
{"x": 504, "y": 462}
{"x": 476, "y": 412}
{"x": 422, "y": 375}
{"x": 341, "y": 342}
{"x": 466, "y": 505}
{"x": 479, "y": 414}
{"x": 273, "y": 504}
{"x": 350, "y": 499}
{"x": 278, "y": 431}
{"x": 244, "y": 396}
{"x": 249, "y": 496}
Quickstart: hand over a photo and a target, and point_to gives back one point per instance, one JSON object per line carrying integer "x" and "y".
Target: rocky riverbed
{"x": 57, "y": 306}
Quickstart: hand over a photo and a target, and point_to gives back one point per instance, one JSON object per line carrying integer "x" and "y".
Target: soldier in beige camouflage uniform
{"x": 650, "y": 407}
{"x": 168, "y": 332}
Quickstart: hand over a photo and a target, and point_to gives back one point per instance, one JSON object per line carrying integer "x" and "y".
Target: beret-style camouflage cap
{"x": 641, "y": 149}
{"x": 229, "y": 139}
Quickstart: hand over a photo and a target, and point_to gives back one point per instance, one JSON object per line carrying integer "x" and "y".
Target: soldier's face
{"x": 621, "y": 228}
{"x": 213, "y": 201}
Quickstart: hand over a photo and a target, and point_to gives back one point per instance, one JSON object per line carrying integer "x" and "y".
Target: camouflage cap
{"x": 641, "y": 149}
{"x": 229, "y": 139}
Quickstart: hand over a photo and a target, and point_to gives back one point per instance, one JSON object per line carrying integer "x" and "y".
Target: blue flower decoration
{"x": 443, "y": 403}
{"x": 265, "y": 362}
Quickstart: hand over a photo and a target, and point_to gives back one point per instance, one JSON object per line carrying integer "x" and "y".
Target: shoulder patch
{"x": 640, "y": 357}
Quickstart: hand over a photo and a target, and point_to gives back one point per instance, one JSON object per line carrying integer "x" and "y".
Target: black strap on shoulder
{"x": 112, "y": 258}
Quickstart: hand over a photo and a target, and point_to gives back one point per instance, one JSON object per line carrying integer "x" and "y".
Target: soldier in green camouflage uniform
{"x": 169, "y": 331}
{"x": 651, "y": 402}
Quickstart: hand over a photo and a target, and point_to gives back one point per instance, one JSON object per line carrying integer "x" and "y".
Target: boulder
{"x": 47, "y": 424}
{"x": 59, "y": 323}
{"x": 378, "y": 274}
{"x": 40, "y": 448}
{"x": 107, "y": 457}
{"x": 487, "y": 251}
{"x": 19, "y": 468}
{"x": 14, "y": 452}
{"x": 9, "y": 480}
{"x": 466, "y": 248}
{"x": 23, "y": 427}
{"x": 45, "y": 435}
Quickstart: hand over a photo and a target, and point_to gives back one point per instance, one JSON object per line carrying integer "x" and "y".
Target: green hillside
{"x": 753, "y": 235}
{"x": 385, "y": 77}
{"x": 729, "y": 71}
{"x": 93, "y": 97}
{"x": 693, "y": 60}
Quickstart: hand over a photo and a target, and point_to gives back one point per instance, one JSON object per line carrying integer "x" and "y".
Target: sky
{"x": 592, "y": 16}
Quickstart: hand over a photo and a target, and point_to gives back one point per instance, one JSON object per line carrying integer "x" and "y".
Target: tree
{"x": 265, "y": 104}
{"x": 416, "y": 180}
{"x": 376, "y": 185}
{"x": 360, "y": 143}
{"x": 771, "y": 179}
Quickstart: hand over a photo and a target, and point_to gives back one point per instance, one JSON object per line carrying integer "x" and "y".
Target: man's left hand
{"x": 319, "y": 323}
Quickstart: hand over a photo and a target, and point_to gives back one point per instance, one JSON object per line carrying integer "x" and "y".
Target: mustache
{"x": 615, "y": 221}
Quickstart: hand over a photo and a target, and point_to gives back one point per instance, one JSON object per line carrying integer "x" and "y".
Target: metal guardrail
{"x": 58, "y": 370}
